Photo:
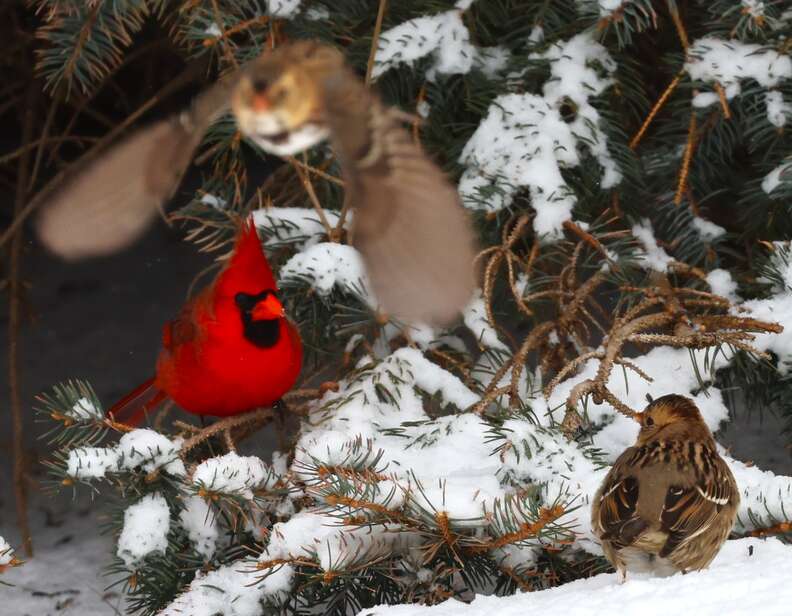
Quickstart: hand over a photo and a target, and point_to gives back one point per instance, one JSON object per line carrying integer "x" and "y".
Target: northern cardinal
{"x": 409, "y": 224}
{"x": 230, "y": 350}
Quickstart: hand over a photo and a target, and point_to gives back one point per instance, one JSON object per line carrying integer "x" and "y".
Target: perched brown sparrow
{"x": 670, "y": 501}
{"x": 409, "y": 225}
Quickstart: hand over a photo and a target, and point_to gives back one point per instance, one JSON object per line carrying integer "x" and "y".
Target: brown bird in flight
{"x": 409, "y": 225}
{"x": 669, "y": 502}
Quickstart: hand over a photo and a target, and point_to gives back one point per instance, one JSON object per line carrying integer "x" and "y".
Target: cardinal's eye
{"x": 649, "y": 421}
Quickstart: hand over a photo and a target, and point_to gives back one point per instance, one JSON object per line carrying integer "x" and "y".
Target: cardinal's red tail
{"x": 133, "y": 408}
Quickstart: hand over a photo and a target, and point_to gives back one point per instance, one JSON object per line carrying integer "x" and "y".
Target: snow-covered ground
{"x": 749, "y": 576}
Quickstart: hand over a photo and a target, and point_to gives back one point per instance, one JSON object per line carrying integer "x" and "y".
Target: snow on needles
{"x": 198, "y": 519}
{"x": 143, "y": 448}
{"x": 233, "y": 474}
{"x": 298, "y": 226}
{"x": 327, "y": 267}
{"x": 729, "y": 62}
{"x": 748, "y": 576}
{"x": 524, "y": 142}
{"x": 443, "y": 36}
{"x": 146, "y": 526}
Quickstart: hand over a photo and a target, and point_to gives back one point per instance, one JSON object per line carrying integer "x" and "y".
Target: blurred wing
{"x": 409, "y": 225}
{"x": 112, "y": 197}
{"x": 616, "y": 514}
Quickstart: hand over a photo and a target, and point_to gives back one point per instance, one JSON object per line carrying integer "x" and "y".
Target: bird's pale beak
{"x": 267, "y": 309}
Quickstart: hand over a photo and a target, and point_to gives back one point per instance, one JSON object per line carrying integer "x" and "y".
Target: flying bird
{"x": 231, "y": 349}
{"x": 669, "y": 502}
{"x": 409, "y": 225}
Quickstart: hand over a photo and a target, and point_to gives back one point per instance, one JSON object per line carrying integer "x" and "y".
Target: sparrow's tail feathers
{"x": 136, "y": 405}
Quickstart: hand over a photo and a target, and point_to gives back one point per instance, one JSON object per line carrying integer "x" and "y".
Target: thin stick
{"x": 306, "y": 182}
{"x": 723, "y": 101}
{"x": 685, "y": 170}
{"x": 375, "y": 40}
{"x": 683, "y": 37}
{"x": 657, "y": 106}
{"x": 14, "y": 291}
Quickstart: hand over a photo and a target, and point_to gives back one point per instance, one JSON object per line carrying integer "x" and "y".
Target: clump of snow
{"x": 329, "y": 266}
{"x": 654, "y": 257}
{"x": 780, "y": 175}
{"x": 721, "y": 283}
{"x": 777, "y": 108}
{"x": 748, "y": 576}
{"x": 285, "y": 9}
{"x": 233, "y": 474}
{"x": 145, "y": 531}
{"x": 754, "y": 8}
{"x": 729, "y": 62}
{"x": 443, "y": 36}
{"x": 143, "y": 448}
{"x": 475, "y": 317}
{"x": 91, "y": 462}
{"x": 150, "y": 451}
{"x": 605, "y": 7}
{"x": 230, "y": 590}
{"x": 317, "y": 13}
{"x": 198, "y": 519}
{"x": 299, "y": 226}
{"x": 491, "y": 60}
{"x": 524, "y": 141}
{"x": 213, "y": 30}
{"x": 6, "y": 554}
{"x": 84, "y": 410}
{"x": 776, "y": 309}
{"x": 707, "y": 229}
{"x": 214, "y": 201}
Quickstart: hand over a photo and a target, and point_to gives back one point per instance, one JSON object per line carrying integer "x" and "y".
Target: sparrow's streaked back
{"x": 669, "y": 502}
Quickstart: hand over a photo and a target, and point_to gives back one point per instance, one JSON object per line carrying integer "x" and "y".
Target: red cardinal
{"x": 230, "y": 350}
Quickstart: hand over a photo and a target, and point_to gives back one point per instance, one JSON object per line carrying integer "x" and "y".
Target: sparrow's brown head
{"x": 672, "y": 417}
{"x": 278, "y": 100}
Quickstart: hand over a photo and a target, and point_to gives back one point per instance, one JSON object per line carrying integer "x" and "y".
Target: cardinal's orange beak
{"x": 268, "y": 308}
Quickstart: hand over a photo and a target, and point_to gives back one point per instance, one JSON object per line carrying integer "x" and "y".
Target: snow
{"x": 707, "y": 229}
{"x": 298, "y": 226}
{"x": 6, "y": 554}
{"x": 778, "y": 309}
{"x": 654, "y": 256}
{"x": 442, "y": 36}
{"x": 198, "y": 519}
{"x": 84, "y": 410}
{"x": 524, "y": 141}
{"x": 755, "y": 8}
{"x": 145, "y": 531}
{"x": 214, "y": 201}
{"x": 232, "y": 474}
{"x": 721, "y": 283}
{"x": 229, "y": 590}
{"x": 283, "y": 8}
{"x": 150, "y": 451}
{"x": 475, "y": 317}
{"x": 780, "y": 175}
{"x": 729, "y": 62}
{"x": 327, "y": 267}
{"x": 143, "y": 448}
{"x": 748, "y": 576}
{"x": 777, "y": 108}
